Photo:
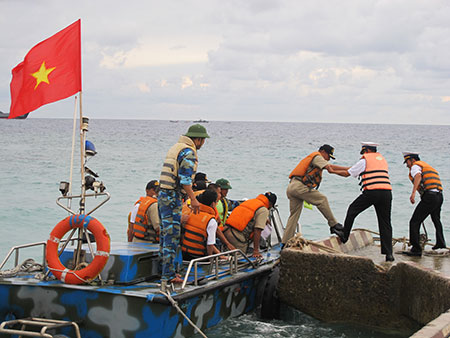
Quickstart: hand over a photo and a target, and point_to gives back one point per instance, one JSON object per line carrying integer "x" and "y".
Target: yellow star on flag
{"x": 42, "y": 74}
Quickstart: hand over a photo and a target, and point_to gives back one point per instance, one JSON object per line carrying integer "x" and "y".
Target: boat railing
{"x": 214, "y": 262}
{"x": 16, "y": 250}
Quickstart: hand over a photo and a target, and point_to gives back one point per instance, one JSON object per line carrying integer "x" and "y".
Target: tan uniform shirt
{"x": 319, "y": 162}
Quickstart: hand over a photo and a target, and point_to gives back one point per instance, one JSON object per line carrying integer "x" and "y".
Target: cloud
{"x": 288, "y": 60}
{"x": 143, "y": 87}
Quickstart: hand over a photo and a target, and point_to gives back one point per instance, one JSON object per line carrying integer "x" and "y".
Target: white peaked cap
{"x": 406, "y": 153}
{"x": 369, "y": 144}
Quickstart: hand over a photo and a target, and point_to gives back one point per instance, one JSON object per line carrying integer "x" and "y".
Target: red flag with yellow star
{"x": 51, "y": 71}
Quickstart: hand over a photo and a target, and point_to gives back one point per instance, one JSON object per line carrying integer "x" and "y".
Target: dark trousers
{"x": 430, "y": 204}
{"x": 382, "y": 201}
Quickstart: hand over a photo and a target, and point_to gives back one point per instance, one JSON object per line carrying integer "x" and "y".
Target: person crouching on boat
{"x": 426, "y": 181}
{"x": 248, "y": 220}
{"x": 177, "y": 174}
{"x": 144, "y": 222}
{"x": 198, "y": 237}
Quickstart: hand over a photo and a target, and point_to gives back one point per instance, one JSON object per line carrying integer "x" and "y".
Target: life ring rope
{"x": 100, "y": 257}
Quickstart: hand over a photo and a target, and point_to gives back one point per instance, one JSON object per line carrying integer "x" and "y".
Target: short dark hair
{"x": 208, "y": 197}
{"x": 213, "y": 186}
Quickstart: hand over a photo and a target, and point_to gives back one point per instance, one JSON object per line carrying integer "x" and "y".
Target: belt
{"x": 433, "y": 192}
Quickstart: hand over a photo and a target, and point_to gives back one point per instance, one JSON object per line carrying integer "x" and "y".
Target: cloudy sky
{"x": 364, "y": 61}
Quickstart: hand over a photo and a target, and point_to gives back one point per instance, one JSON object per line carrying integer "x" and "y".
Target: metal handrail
{"x": 232, "y": 270}
{"x": 44, "y": 323}
{"x": 275, "y": 219}
{"x": 107, "y": 194}
{"x": 16, "y": 250}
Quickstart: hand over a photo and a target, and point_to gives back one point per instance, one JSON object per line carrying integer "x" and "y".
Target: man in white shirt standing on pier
{"x": 372, "y": 169}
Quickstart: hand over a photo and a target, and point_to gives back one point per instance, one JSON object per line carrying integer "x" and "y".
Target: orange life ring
{"x": 101, "y": 256}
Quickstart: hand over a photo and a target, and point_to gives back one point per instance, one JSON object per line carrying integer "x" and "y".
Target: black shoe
{"x": 339, "y": 233}
{"x": 439, "y": 247}
{"x": 413, "y": 253}
{"x": 337, "y": 226}
{"x": 389, "y": 258}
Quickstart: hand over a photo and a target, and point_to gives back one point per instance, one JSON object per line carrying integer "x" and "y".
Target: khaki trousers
{"x": 297, "y": 192}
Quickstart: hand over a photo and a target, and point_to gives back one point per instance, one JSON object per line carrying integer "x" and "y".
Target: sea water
{"x": 255, "y": 157}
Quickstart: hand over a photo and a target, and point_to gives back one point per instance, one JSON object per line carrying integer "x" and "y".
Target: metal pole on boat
{"x": 84, "y": 123}
{"x": 69, "y": 200}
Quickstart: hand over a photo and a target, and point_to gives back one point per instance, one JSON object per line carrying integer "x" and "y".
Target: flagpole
{"x": 69, "y": 201}
{"x": 83, "y": 129}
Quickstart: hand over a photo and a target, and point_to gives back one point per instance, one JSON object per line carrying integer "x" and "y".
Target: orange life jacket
{"x": 186, "y": 210}
{"x": 245, "y": 211}
{"x": 430, "y": 177}
{"x": 376, "y": 175}
{"x": 194, "y": 236}
{"x": 309, "y": 175}
{"x": 142, "y": 227}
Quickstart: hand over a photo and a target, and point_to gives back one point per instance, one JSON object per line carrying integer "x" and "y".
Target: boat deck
{"x": 132, "y": 270}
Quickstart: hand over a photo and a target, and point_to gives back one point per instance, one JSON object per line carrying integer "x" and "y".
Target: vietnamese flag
{"x": 51, "y": 71}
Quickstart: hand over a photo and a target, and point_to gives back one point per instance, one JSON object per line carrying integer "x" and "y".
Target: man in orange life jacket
{"x": 376, "y": 188}
{"x": 144, "y": 218}
{"x": 304, "y": 182}
{"x": 426, "y": 181}
{"x": 199, "y": 230}
{"x": 248, "y": 220}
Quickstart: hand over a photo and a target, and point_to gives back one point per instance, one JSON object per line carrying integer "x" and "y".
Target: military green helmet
{"x": 197, "y": 130}
{"x": 223, "y": 183}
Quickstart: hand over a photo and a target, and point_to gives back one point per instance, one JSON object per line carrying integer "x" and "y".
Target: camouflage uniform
{"x": 170, "y": 202}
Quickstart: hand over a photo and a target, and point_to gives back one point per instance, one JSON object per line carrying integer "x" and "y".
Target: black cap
{"x": 201, "y": 177}
{"x": 328, "y": 149}
{"x": 271, "y": 197}
{"x": 154, "y": 184}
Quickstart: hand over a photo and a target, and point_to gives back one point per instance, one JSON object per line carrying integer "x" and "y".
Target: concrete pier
{"x": 344, "y": 288}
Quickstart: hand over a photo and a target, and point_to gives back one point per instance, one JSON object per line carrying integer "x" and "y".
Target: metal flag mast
{"x": 87, "y": 182}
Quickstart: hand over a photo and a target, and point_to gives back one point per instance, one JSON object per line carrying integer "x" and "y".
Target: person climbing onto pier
{"x": 144, "y": 218}
{"x": 372, "y": 169}
{"x": 176, "y": 179}
{"x": 426, "y": 181}
{"x": 199, "y": 230}
{"x": 248, "y": 220}
{"x": 303, "y": 186}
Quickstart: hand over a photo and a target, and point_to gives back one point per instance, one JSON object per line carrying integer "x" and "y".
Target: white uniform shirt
{"x": 211, "y": 230}
{"x": 416, "y": 169}
{"x": 134, "y": 212}
{"x": 357, "y": 168}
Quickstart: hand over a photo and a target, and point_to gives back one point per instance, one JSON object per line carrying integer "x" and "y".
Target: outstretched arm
{"x": 337, "y": 170}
